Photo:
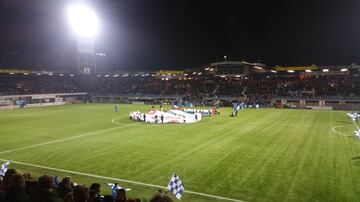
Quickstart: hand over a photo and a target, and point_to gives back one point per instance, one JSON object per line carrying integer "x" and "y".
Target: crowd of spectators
{"x": 17, "y": 187}
{"x": 260, "y": 87}
{"x": 30, "y": 84}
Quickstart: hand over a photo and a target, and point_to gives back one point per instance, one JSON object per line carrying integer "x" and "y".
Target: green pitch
{"x": 262, "y": 155}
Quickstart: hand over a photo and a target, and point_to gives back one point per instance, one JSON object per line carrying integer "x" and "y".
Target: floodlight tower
{"x": 85, "y": 25}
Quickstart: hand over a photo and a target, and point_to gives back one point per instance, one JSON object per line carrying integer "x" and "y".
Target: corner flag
{"x": 176, "y": 186}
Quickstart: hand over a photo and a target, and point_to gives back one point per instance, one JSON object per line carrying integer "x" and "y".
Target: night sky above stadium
{"x": 180, "y": 33}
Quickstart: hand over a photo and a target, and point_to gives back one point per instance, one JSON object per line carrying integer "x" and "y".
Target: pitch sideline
{"x": 120, "y": 180}
{"x": 65, "y": 139}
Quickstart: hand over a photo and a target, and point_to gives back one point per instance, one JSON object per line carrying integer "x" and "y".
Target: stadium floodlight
{"x": 343, "y": 69}
{"x": 101, "y": 54}
{"x": 325, "y": 70}
{"x": 83, "y": 21}
{"x": 308, "y": 70}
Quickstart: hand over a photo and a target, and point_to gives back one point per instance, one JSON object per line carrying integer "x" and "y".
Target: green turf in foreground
{"x": 262, "y": 155}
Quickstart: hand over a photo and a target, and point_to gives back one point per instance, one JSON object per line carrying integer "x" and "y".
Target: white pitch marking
{"x": 339, "y": 133}
{"x": 64, "y": 139}
{"x": 120, "y": 180}
{"x": 147, "y": 124}
{"x": 114, "y": 122}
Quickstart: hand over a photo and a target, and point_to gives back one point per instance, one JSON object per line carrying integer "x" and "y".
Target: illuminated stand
{"x": 85, "y": 24}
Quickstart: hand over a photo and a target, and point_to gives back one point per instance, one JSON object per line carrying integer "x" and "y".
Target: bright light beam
{"x": 83, "y": 21}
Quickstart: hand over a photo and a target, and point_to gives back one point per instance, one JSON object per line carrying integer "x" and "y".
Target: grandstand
{"x": 303, "y": 87}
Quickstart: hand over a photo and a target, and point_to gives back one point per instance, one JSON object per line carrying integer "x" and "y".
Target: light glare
{"x": 83, "y": 21}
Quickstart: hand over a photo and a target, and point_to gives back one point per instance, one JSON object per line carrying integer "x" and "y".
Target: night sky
{"x": 183, "y": 33}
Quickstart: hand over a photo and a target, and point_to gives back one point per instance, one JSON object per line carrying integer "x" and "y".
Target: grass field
{"x": 262, "y": 155}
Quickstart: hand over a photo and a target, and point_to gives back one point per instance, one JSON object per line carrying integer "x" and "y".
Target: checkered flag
{"x": 176, "y": 186}
{"x": 4, "y": 168}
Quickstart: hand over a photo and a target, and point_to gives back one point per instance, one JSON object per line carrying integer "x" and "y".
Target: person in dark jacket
{"x": 16, "y": 191}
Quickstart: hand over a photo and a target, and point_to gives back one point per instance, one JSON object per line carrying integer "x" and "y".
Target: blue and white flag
{"x": 56, "y": 181}
{"x": 176, "y": 186}
{"x": 115, "y": 188}
{"x": 354, "y": 116}
{"x": 357, "y": 134}
{"x": 4, "y": 168}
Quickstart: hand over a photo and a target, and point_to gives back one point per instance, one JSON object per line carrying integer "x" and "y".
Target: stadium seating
{"x": 17, "y": 187}
{"x": 259, "y": 89}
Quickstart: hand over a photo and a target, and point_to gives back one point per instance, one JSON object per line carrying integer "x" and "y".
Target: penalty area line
{"x": 65, "y": 139}
{"x": 118, "y": 179}
{"x": 337, "y": 132}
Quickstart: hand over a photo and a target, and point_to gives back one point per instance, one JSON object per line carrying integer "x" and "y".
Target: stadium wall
{"x": 41, "y": 100}
{"x": 328, "y": 104}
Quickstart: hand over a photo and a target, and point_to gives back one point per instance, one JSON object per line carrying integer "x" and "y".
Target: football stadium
{"x": 74, "y": 129}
